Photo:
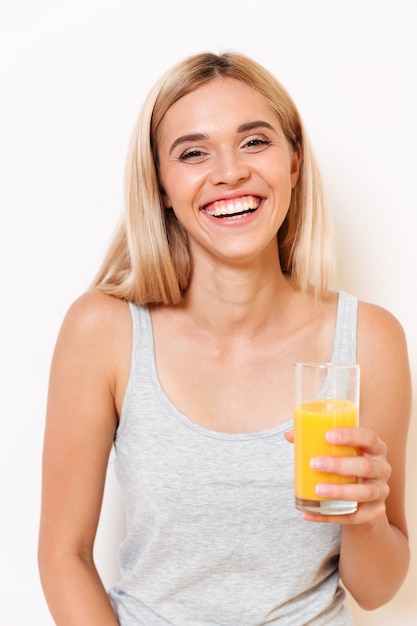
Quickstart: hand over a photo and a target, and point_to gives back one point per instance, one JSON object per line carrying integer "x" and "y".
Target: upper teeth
{"x": 239, "y": 206}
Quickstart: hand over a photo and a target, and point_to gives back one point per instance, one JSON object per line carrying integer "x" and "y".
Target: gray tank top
{"x": 213, "y": 537}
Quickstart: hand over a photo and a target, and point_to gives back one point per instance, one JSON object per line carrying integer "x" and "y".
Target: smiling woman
{"x": 181, "y": 356}
{"x": 160, "y": 272}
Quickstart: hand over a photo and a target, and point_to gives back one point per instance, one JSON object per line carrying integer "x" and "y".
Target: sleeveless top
{"x": 213, "y": 536}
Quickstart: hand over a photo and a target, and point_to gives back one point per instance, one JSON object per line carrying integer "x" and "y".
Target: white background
{"x": 72, "y": 78}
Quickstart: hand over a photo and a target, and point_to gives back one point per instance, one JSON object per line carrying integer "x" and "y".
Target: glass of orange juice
{"x": 326, "y": 397}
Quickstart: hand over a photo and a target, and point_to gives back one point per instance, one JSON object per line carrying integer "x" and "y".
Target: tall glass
{"x": 326, "y": 397}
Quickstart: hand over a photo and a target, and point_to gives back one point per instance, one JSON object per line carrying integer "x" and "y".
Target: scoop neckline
{"x": 187, "y": 421}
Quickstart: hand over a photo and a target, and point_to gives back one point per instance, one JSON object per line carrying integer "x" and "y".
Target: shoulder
{"x": 96, "y": 327}
{"x": 96, "y": 316}
{"x": 96, "y": 307}
{"x": 379, "y": 330}
{"x": 94, "y": 343}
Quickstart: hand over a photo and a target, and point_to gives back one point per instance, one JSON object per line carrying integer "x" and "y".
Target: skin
{"x": 229, "y": 363}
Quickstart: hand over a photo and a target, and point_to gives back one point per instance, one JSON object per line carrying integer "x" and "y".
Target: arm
{"x": 85, "y": 384}
{"x": 374, "y": 554}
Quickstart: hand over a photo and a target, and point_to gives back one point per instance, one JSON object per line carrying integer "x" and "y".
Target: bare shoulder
{"x": 96, "y": 319}
{"x": 95, "y": 341}
{"x": 96, "y": 311}
{"x": 380, "y": 333}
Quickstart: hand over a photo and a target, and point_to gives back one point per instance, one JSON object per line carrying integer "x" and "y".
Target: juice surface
{"x": 311, "y": 421}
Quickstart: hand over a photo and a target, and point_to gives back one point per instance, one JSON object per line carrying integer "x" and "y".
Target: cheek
{"x": 180, "y": 186}
{"x": 279, "y": 177}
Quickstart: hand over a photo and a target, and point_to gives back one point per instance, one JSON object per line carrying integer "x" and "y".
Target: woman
{"x": 181, "y": 356}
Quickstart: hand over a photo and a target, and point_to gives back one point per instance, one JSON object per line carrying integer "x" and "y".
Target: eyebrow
{"x": 187, "y": 138}
{"x": 201, "y": 137}
{"x": 251, "y": 125}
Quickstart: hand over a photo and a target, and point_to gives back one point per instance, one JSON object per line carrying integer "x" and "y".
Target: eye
{"x": 195, "y": 155}
{"x": 255, "y": 144}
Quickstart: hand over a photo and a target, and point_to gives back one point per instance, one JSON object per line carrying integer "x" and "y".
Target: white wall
{"x": 72, "y": 77}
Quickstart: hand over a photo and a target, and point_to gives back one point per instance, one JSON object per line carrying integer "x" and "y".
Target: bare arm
{"x": 374, "y": 552}
{"x": 80, "y": 427}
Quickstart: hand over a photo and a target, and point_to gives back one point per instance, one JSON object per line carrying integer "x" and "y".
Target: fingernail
{"x": 333, "y": 436}
{"x": 318, "y": 463}
{"x": 322, "y": 490}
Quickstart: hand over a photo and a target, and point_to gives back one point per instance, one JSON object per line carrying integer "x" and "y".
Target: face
{"x": 226, "y": 169}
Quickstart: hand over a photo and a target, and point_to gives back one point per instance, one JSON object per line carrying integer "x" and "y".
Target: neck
{"x": 230, "y": 299}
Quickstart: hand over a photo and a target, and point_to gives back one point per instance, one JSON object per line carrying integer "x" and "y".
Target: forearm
{"x": 75, "y": 593}
{"x": 373, "y": 562}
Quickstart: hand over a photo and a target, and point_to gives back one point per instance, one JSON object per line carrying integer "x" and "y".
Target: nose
{"x": 229, "y": 168}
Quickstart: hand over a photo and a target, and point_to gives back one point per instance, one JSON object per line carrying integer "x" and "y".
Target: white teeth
{"x": 233, "y": 208}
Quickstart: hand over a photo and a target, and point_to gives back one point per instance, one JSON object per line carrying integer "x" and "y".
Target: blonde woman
{"x": 181, "y": 357}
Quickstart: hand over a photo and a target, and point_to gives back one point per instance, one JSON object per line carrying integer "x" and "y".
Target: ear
{"x": 296, "y": 160}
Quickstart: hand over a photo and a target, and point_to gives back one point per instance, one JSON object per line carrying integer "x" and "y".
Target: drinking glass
{"x": 326, "y": 397}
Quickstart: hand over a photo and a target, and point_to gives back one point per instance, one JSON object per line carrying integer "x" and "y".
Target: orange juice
{"x": 311, "y": 421}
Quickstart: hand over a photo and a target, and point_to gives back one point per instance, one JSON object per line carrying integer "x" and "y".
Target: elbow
{"x": 56, "y": 565}
{"x": 370, "y": 599}
{"x": 45, "y": 564}
{"x": 48, "y": 560}
{"x": 379, "y": 582}
{"x": 49, "y": 568}
{"x": 371, "y": 604}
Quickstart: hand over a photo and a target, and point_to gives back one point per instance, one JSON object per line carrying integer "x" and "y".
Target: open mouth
{"x": 233, "y": 209}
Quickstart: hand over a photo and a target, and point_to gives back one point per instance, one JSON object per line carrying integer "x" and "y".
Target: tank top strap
{"x": 344, "y": 347}
{"x": 142, "y": 333}
{"x": 140, "y": 360}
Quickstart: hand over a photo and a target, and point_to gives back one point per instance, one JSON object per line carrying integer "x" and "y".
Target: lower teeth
{"x": 234, "y": 216}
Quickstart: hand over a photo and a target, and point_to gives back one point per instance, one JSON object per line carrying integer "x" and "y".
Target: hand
{"x": 371, "y": 468}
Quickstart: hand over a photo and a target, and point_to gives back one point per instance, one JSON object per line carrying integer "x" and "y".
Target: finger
{"x": 367, "y": 512}
{"x": 363, "y": 438}
{"x": 289, "y": 436}
{"x": 346, "y": 518}
{"x": 362, "y": 466}
{"x": 363, "y": 492}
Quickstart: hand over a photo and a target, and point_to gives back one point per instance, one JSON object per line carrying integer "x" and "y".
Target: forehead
{"x": 222, "y": 102}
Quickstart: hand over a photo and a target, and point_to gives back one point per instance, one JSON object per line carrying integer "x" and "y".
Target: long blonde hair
{"x": 148, "y": 260}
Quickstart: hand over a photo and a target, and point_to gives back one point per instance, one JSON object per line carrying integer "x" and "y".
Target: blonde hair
{"x": 148, "y": 260}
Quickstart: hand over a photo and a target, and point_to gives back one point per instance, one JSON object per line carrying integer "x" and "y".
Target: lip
{"x": 229, "y": 197}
